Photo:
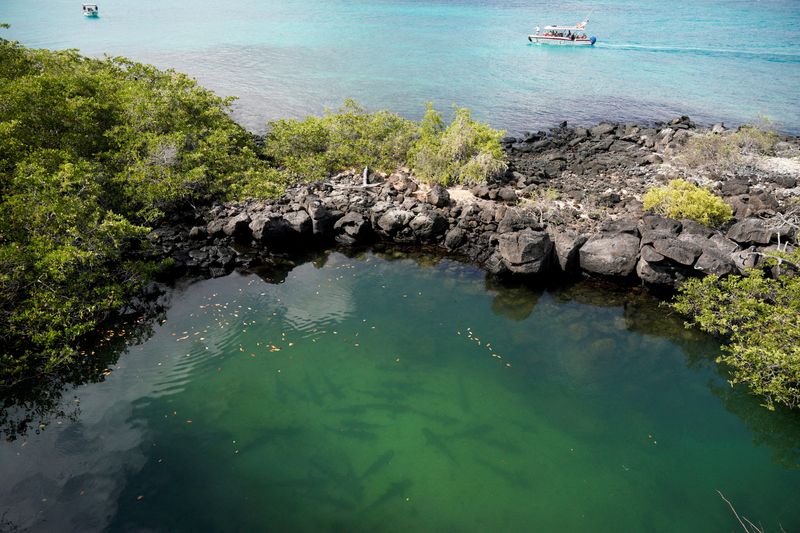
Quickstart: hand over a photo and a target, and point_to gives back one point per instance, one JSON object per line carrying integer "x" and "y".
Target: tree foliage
{"x": 466, "y": 151}
{"x": 681, "y": 199}
{"x": 760, "y": 317}
{"x": 91, "y": 153}
{"x": 316, "y": 147}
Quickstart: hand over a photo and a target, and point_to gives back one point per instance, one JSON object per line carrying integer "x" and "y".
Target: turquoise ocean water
{"x": 714, "y": 60}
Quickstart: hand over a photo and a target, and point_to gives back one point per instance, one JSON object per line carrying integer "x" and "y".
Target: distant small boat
{"x": 91, "y": 10}
{"x": 570, "y": 35}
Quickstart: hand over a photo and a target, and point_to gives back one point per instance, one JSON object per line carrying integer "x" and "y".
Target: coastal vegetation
{"x": 725, "y": 152}
{"x": 756, "y": 313}
{"x": 92, "y": 154}
{"x": 465, "y": 151}
{"x": 95, "y": 153}
{"x": 316, "y": 147}
{"x": 682, "y": 199}
{"x": 759, "y": 317}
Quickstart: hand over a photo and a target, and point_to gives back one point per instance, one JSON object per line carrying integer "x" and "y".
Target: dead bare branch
{"x": 752, "y": 528}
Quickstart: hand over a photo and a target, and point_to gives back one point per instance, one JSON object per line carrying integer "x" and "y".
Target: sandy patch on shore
{"x": 779, "y": 165}
{"x": 458, "y": 194}
{"x": 462, "y": 196}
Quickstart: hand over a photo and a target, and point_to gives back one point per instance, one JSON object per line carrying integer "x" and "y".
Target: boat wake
{"x": 768, "y": 55}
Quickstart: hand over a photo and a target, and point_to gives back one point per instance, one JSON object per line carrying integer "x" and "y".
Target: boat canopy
{"x": 577, "y": 27}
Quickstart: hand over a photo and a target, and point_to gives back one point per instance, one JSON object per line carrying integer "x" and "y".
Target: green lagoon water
{"x": 391, "y": 394}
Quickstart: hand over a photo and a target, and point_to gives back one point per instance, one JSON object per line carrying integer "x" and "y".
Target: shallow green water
{"x": 369, "y": 394}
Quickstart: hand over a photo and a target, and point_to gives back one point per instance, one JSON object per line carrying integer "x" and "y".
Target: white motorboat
{"x": 569, "y": 35}
{"x": 91, "y": 10}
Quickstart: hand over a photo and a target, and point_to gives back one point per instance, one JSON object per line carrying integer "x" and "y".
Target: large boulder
{"x": 438, "y": 196}
{"x": 603, "y": 129}
{"x": 649, "y": 254}
{"x": 455, "y": 238}
{"x": 713, "y": 261}
{"x": 610, "y": 254}
{"x": 352, "y": 228}
{"x": 744, "y": 260}
{"x": 198, "y": 233}
{"x": 654, "y": 227}
{"x": 749, "y": 205}
{"x": 620, "y": 225}
{"x": 507, "y": 194}
{"x": 404, "y": 184}
{"x": 495, "y": 264}
{"x": 480, "y": 191}
{"x": 706, "y": 251}
{"x": 567, "y": 245}
{"x": 322, "y": 218}
{"x": 690, "y": 227}
{"x": 237, "y": 226}
{"x": 216, "y": 226}
{"x": 716, "y": 250}
{"x": 681, "y": 251}
{"x": 517, "y": 219}
{"x": 299, "y": 222}
{"x": 394, "y": 220}
{"x": 654, "y": 273}
{"x": 269, "y": 228}
{"x": 428, "y": 225}
{"x": 526, "y": 251}
{"x": 756, "y": 231}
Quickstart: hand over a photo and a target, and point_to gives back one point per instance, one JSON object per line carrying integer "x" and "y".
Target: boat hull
{"x": 565, "y": 41}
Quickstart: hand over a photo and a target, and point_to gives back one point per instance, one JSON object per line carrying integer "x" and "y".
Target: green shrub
{"x": 724, "y": 153}
{"x": 681, "y": 199}
{"x": 316, "y": 147}
{"x": 465, "y": 152}
{"x": 759, "y": 318}
{"x": 263, "y": 185}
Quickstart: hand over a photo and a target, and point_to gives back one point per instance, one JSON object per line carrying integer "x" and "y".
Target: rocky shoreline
{"x": 569, "y": 204}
